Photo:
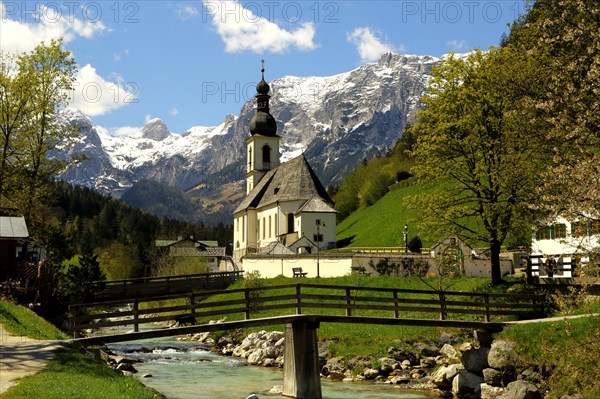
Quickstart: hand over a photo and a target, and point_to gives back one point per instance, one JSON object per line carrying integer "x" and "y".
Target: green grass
{"x": 74, "y": 375}
{"x": 22, "y": 321}
{"x": 567, "y": 349}
{"x": 382, "y": 224}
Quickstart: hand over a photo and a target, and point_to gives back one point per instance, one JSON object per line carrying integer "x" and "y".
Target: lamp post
{"x": 405, "y": 238}
{"x": 318, "y": 240}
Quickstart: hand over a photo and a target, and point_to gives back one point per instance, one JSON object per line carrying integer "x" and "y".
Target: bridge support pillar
{"x": 301, "y": 371}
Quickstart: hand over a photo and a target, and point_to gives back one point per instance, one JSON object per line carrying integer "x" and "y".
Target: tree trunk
{"x": 495, "y": 258}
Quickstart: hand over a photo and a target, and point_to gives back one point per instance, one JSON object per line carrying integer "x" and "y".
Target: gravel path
{"x": 22, "y": 356}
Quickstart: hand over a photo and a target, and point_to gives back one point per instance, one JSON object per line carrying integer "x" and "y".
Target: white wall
{"x": 270, "y": 267}
{"x": 308, "y": 227}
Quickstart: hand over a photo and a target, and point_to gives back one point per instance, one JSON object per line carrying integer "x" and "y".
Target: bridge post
{"x": 301, "y": 373}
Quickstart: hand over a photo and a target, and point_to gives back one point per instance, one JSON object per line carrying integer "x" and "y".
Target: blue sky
{"x": 192, "y": 62}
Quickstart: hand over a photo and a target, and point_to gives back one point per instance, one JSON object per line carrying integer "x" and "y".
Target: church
{"x": 286, "y": 210}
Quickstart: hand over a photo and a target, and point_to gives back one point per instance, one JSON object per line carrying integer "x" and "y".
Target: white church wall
{"x": 269, "y": 230}
{"x": 327, "y": 227}
{"x": 271, "y": 266}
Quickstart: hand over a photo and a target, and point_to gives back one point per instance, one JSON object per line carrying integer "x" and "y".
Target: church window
{"x": 264, "y": 228}
{"x": 270, "y": 226}
{"x": 249, "y": 159}
{"x": 290, "y": 223}
{"x": 243, "y": 229}
{"x": 266, "y": 156}
{"x": 237, "y": 224}
{"x": 258, "y": 228}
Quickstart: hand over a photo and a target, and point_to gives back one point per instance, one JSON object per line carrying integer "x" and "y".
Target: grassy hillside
{"x": 382, "y": 224}
{"x": 21, "y": 321}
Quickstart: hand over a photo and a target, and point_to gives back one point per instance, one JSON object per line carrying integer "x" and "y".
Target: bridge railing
{"x": 129, "y": 288}
{"x": 333, "y": 300}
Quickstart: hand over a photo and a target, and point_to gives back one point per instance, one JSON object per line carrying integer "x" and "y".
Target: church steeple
{"x": 263, "y": 122}
{"x": 263, "y": 143}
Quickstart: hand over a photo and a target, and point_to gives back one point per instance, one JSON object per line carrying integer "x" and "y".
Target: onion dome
{"x": 262, "y": 122}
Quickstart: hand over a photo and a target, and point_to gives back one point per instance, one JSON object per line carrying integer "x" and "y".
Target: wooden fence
{"x": 144, "y": 287}
{"x": 248, "y": 303}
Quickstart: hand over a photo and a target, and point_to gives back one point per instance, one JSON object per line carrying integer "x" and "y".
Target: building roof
{"x": 291, "y": 181}
{"x": 317, "y": 205}
{"x": 13, "y": 227}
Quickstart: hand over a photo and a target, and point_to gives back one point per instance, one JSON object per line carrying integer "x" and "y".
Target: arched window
{"x": 290, "y": 223}
{"x": 266, "y": 156}
{"x": 270, "y": 226}
{"x": 249, "y": 159}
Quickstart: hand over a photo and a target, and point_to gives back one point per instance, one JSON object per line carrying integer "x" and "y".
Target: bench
{"x": 298, "y": 272}
{"x": 360, "y": 270}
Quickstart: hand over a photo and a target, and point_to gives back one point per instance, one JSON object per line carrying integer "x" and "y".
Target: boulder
{"x": 502, "y": 355}
{"x": 466, "y": 382}
{"x": 442, "y": 377}
{"x": 336, "y": 364}
{"x": 402, "y": 355}
{"x": 360, "y": 362}
{"x": 490, "y": 392}
{"x": 475, "y": 359}
{"x": 257, "y": 357}
{"x": 521, "y": 390}
{"x": 492, "y": 377}
{"x": 450, "y": 353}
{"x": 370, "y": 374}
{"x": 427, "y": 350}
{"x": 388, "y": 365}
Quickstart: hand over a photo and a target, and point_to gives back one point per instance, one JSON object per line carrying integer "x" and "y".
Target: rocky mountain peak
{"x": 336, "y": 121}
{"x": 155, "y": 129}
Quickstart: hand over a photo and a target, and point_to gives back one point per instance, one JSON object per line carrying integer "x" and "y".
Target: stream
{"x": 185, "y": 370}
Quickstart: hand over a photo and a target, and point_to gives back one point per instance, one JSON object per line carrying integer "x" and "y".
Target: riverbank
{"x": 43, "y": 369}
{"x": 447, "y": 366}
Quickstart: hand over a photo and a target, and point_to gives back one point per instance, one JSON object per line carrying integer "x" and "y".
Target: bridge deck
{"x": 261, "y": 322}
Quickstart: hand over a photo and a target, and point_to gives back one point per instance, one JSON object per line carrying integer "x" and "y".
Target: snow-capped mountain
{"x": 337, "y": 121}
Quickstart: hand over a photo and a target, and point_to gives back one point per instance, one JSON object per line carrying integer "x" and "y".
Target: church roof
{"x": 316, "y": 204}
{"x": 291, "y": 181}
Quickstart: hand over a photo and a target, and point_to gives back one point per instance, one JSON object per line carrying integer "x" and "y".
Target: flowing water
{"x": 183, "y": 370}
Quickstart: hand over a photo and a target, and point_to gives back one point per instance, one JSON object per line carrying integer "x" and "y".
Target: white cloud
{"x": 147, "y": 118}
{"x": 185, "y": 12}
{"x": 173, "y": 112}
{"x": 19, "y": 35}
{"x": 457, "y": 45}
{"x": 242, "y": 30}
{"x": 369, "y": 46}
{"x": 94, "y": 95}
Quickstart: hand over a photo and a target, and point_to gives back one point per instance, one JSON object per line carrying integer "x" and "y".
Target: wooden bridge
{"x": 302, "y": 307}
{"x": 153, "y": 286}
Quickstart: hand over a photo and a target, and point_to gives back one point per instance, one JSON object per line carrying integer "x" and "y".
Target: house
{"x": 13, "y": 235}
{"x": 205, "y": 251}
{"x": 561, "y": 247}
{"x": 285, "y": 204}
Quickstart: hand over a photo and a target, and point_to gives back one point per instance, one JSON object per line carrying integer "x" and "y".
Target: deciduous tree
{"x": 472, "y": 136}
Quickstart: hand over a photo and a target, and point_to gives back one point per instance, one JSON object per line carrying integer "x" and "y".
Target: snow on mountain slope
{"x": 336, "y": 121}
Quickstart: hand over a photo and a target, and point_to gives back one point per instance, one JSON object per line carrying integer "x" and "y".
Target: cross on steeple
{"x": 263, "y": 68}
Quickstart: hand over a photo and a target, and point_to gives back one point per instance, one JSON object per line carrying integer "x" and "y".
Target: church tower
{"x": 263, "y": 144}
